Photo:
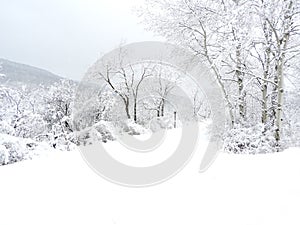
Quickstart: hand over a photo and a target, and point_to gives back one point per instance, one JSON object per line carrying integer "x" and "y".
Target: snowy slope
{"x": 237, "y": 190}
{"x": 13, "y": 72}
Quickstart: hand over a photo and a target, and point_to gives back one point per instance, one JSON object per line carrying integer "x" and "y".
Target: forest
{"x": 252, "y": 49}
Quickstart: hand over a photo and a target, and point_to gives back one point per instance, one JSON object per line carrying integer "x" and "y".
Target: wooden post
{"x": 174, "y": 119}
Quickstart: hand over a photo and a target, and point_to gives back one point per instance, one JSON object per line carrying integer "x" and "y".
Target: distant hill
{"x": 17, "y": 73}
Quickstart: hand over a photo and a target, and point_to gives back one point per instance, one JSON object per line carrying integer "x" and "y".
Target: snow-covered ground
{"x": 59, "y": 188}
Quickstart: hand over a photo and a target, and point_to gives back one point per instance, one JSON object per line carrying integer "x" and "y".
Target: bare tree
{"x": 125, "y": 82}
{"x": 165, "y": 86}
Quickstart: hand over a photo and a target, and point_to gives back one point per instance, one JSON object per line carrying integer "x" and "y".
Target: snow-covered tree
{"x": 247, "y": 44}
{"x": 58, "y": 112}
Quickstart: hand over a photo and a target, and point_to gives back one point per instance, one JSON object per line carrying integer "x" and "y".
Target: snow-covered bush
{"x": 106, "y": 130}
{"x": 13, "y": 149}
{"x": 4, "y": 155}
{"x": 291, "y": 128}
{"x": 250, "y": 140}
{"x": 132, "y": 128}
{"x": 102, "y": 131}
{"x": 6, "y": 127}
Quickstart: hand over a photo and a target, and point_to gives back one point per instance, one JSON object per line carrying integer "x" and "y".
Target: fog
{"x": 66, "y": 36}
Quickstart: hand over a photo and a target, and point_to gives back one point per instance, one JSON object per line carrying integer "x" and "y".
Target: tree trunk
{"x": 127, "y": 109}
{"x": 135, "y": 111}
{"x": 162, "y": 107}
{"x": 264, "y": 102}
{"x": 280, "y": 91}
{"x": 240, "y": 79}
{"x": 175, "y": 119}
{"x": 264, "y": 113}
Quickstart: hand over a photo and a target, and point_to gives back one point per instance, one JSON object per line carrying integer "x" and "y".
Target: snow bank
{"x": 237, "y": 189}
{"x": 16, "y": 149}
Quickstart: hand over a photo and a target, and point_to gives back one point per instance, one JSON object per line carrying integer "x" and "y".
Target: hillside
{"x": 13, "y": 72}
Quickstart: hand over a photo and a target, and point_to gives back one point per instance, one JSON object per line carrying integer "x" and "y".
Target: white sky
{"x": 66, "y": 36}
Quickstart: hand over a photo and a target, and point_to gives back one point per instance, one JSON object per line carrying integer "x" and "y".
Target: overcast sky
{"x": 66, "y": 36}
